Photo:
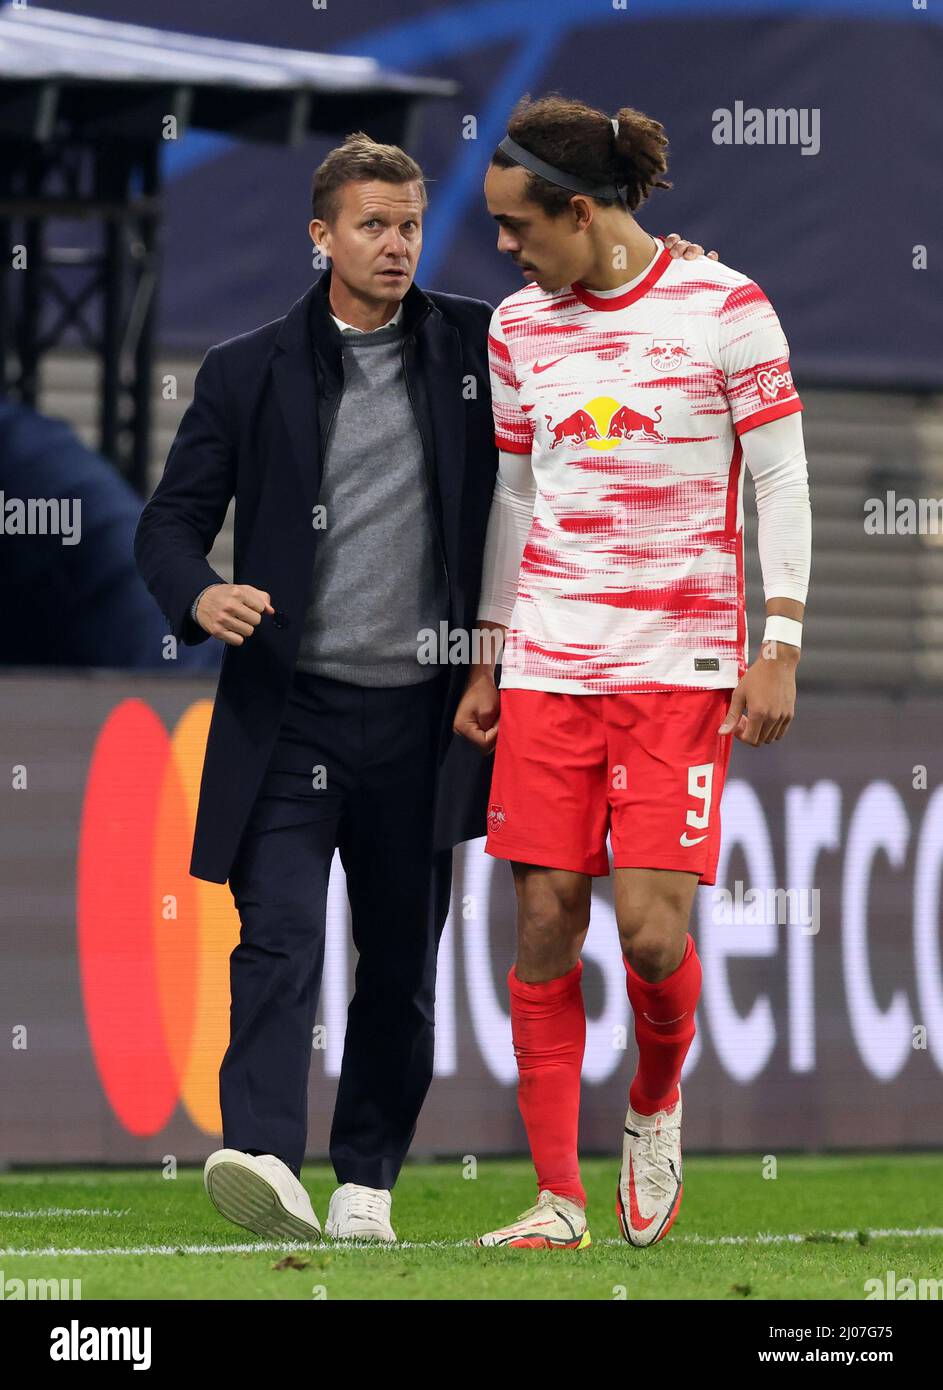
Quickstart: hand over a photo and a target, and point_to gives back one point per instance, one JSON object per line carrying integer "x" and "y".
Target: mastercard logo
{"x": 153, "y": 942}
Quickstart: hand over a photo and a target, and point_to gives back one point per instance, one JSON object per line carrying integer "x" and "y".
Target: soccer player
{"x": 628, "y": 390}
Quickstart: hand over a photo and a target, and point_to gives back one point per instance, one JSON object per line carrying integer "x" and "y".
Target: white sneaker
{"x": 649, "y": 1193}
{"x": 260, "y": 1193}
{"x": 553, "y": 1223}
{"x": 360, "y": 1213}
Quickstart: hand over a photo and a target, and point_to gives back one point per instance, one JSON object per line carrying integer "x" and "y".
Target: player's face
{"x": 549, "y": 250}
{"x": 375, "y": 240}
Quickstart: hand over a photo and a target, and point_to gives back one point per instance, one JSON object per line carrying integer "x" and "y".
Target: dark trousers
{"x": 377, "y": 749}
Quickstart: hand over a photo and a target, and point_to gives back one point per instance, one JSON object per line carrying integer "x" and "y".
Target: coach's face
{"x": 375, "y": 240}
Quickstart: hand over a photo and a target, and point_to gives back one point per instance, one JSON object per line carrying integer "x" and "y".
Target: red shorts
{"x": 647, "y": 769}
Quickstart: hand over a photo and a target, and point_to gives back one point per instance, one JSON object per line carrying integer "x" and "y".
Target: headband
{"x": 561, "y": 177}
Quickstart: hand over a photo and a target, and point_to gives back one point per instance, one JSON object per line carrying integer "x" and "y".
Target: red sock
{"x": 664, "y": 1030}
{"x": 548, "y": 1025}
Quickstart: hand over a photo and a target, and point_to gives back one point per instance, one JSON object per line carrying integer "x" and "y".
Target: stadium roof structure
{"x": 84, "y": 107}
{"x": 103, "y": 77}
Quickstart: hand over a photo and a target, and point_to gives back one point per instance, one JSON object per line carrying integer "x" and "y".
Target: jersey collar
{"x": 621, "y": 301}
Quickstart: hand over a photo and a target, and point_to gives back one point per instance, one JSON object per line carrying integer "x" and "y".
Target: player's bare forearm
{"x": 487, "y": 649}
{"x": 785, "y": 608}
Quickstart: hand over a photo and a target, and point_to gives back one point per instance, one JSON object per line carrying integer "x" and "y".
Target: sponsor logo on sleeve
{"x": 775, "y": 383}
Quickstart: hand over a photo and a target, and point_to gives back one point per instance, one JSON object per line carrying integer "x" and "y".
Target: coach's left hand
{"x": 686, "y": 250}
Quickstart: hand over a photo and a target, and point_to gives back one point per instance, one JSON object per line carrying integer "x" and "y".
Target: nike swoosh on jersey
{"x": 545, "y": 367}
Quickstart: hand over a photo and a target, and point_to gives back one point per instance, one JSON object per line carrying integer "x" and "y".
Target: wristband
{"x": 779, "y": 629}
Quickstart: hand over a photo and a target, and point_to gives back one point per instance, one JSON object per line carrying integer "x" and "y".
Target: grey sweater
{"x": 378, "y": 576}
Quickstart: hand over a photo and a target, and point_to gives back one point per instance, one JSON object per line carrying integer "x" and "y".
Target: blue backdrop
{"x": 831, "y": 237}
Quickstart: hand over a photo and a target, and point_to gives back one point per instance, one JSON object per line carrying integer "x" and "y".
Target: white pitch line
{"x": 262, "y": 1247}
{"x": 62, "y": 1211}
{"x": 233, "y": 1249}
{"x": 811, "y": 1238}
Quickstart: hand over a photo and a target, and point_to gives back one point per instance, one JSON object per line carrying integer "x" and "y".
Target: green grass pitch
{"x": 819, "y": 1230}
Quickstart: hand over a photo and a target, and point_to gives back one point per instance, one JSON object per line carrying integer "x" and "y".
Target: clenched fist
{"x": 479, "y": 711}
{"x": 232, "y": 612}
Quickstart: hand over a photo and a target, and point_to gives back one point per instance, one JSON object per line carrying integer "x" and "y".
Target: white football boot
{"x": 553, "y": 1223}
{"x": 360, "y": 1213}
{"x": 649, "y": 1193}
{"x": 260, "y": 1193}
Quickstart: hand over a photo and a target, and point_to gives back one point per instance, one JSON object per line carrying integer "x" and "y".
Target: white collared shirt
{"x": 389, "y": 324}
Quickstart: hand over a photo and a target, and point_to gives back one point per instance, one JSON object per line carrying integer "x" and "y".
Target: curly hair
{"x": 580, "y": 139}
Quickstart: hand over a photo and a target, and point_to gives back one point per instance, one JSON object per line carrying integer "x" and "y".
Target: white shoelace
{"x": 545, "y": 1200}
{"x": 656, "y": 1156}
{"x": 368, "y": 1206}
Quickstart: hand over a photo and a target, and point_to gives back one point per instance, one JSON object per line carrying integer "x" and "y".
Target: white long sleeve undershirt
{"x": 775, "y": 456}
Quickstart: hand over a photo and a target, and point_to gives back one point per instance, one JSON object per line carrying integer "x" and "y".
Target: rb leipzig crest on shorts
{"x": 496, "y": 817}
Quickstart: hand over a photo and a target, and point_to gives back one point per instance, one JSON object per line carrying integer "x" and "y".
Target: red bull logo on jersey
{"x": 576, "y": 429}
{"x": 604, "y": 422}
{"x": 627, "y": 422}
{"x": 667, "y": 354}
{"x": 774, "y": 383}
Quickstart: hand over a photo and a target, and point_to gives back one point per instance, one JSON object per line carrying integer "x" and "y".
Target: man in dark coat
{"x": 356, "y": 436}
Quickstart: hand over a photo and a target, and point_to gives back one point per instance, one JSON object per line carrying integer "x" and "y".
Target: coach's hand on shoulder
{"x": 764, "y": 703}
{"x": 477, "y": 715}
{"x": 232, "y": 612}
{"x": 686, "y": 250}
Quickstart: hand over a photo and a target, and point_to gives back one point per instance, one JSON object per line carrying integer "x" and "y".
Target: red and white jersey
{"x": 631, "y": 408}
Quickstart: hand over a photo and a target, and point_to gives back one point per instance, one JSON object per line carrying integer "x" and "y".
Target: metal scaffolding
{"x": 84, "y": 104}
